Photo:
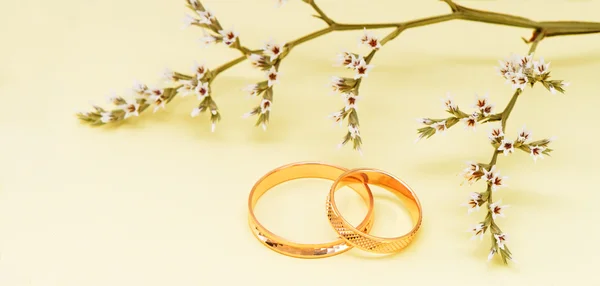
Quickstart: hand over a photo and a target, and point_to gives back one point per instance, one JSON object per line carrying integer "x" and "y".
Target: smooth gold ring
{"x": 298, "y": 171}
{"x": 359, "y": 238}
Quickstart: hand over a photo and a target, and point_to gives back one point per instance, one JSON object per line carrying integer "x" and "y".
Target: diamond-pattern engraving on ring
{"x": 362, "y": 240}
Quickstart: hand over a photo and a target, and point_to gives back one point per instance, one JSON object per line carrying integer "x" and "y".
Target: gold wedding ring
{"x": 350, "y": 236}
{"x": 299, "y": 171}
{"x": 359, "y": 238}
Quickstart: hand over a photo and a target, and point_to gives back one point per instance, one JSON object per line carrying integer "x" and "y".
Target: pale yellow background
{"x": 162, "y": 201}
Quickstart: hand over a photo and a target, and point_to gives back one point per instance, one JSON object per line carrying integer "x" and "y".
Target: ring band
{"x": 360, "y": 239}
{"x": 298, "y": 171}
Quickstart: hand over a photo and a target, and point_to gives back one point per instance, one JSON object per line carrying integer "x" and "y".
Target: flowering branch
{"x": 214, "y": 33}
{"x": 349, "y": 87}
{"x": 518, "y": 71}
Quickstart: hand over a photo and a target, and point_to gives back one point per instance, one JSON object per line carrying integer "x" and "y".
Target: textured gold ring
{"x": 298, "y": 171}
{"x": 359, "y": 238}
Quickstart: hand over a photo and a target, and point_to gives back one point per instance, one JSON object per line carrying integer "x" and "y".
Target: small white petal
{"x": 491, "y": 255}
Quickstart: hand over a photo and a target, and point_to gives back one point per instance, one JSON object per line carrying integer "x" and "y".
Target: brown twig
{"x": 550, "y": 28}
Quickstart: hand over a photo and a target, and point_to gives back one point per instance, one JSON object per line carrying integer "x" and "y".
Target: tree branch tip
{"x": 453, "y": 6}
{"x": 317, "y": 16}
{"x": 327, "y": 21}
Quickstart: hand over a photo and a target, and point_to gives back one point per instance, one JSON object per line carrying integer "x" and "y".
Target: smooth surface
{"x": 298, "y": 171}
{"x": 163, "y": 201}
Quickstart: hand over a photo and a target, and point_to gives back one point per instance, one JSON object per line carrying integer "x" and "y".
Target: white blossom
{"x": 472, "y": 173}
{"x": 524, "y": 135}
{"x": 188, "y": 21}
{"x": 508, "y": 66}
{"x": 515, "y": 63}
{"x": 202, "y": 90}
{"x": 258, "y": 60}
{"x": 158, "y": 100}
{"x": 206, "y": 17}
{"x": 492, "y": 253}
{"x": 524, "y": 62}
{"x": 106, "y": 117}
{"x": 155, "y": 92}
{"x": 498, "y": 182}
{"x": 471, "y": 122}
{"x": 507, "y": 146}
{"x": 440, "y": 126}
{"x": 537, "y": 152}
{"x": 370, "y": 40}
{"x": 356, "y": 61}
{"x": 252, "y": 89}
{"x": 501, "y": 239}
{"x": 351, "y": 100}
{"x": 496, "y": 134}
{"x": 494, "y": 179}
{"x": 273, "y": 50}
{"x": 139, "y": 87}
{"x": 362, "y": 69}
{"x": 353, "y": 129}
{"x": 425, "y": 121}
{"x": 449, "y": 103}
{"x": 518, "y": 80}
{"x": 483, "y": 104}
{"x": 490, "y": 174}
{"x": 169, "y": 75}
{"x": 196, "y": 111}
{"x": 272, "y": 76}
{"x": 506, "y": 69}
{"x": 473, "y": 203}
{"x": 541, "y": 68}
{"x": 337, "y": 117}
{"x": 114, "y": 98}
{"x": 208, "y": 39}
{"x": 248, "y": 114}
{"x": 513, "y": 70}
{"x": 497, "y": 210}
{"x": 478, "y": 231}
{"x": 187, "y": 88}
{"x": 131, "y": 108}
{"x": 229, "y": 36}
{"x": 487, "y": 110}
{"x": 265, "y": 106}
{"x": 200, "y": 70}
{"x": 337, "y": 83}
{"x": 345, "y": 59}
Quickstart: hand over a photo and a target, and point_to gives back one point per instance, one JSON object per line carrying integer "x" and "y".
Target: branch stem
{"x": 508, "y": 109}
{"x": 494, "y": 228}
{"x": 311, "y": 36}
{"x": 405, "y": 25}
{"x": 322, "y": 14}
{"x": 549, "y": 28}
{"x": 228, "y": 65}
